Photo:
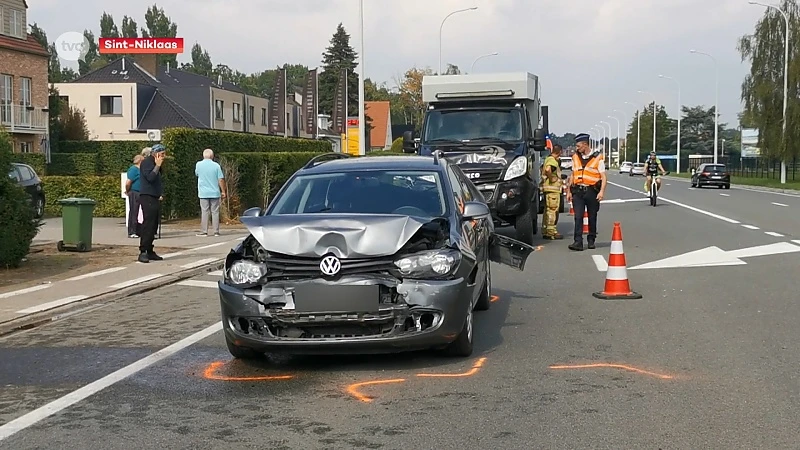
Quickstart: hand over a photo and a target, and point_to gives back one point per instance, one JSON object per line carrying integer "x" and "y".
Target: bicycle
{"x": 654, "y": 188}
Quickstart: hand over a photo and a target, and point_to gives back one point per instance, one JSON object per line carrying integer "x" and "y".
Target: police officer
{"x": 551, "y": 186}
{"x": 586, "y": 187}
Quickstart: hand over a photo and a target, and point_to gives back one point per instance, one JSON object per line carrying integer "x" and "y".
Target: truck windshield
{"x": 467, "y": 124}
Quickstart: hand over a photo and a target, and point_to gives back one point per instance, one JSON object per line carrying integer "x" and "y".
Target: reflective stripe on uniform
{"x": 589, "y": 175}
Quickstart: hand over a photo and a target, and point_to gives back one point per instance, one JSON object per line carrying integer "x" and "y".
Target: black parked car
{"x": 30, "y": 181}
{"x": 364, "y": 255}
{"x": 711, "y": 175}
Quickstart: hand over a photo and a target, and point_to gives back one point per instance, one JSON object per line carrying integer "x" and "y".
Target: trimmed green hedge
{"x": 185, "y": 147}
{"x": 102, "y": 189}
{"x": 35, "y": 160}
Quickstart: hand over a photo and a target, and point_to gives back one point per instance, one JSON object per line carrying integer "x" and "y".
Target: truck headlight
{"x": 517, "y": 168}
{"x": 246, "y": 272}
{"x": 429, "y": 264}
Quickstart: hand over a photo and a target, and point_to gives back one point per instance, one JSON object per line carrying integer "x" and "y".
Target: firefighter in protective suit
{"x": 551, "y": 187}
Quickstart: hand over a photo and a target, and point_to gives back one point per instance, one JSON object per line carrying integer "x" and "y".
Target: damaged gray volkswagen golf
{"x": 364, "y": 255}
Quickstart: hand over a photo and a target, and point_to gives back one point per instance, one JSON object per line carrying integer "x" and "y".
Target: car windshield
{"x": 417, "y": 193}
{"x": 462, "y": 125}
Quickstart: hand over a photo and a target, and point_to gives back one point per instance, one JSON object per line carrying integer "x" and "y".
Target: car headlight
{"x": 246, "y": 272}
{"x": 517, "y": 168}
{"x": 429, "y": 264}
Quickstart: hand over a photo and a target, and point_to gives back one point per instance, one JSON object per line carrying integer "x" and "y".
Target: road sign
{"x": 715, "y": 256}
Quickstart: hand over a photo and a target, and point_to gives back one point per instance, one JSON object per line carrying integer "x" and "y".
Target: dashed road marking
{"x": 60, "y": 404}
{"x": 198, "y": 283}
{"x": 184, "y": 252}
{"x": 130, "y": 283}
{"x": 53, "y": 304}
{"x": 772, "y": 233}
{"x": 751, "y": 227}
{"x": 725, "y": 195}
{"x": 95, "y": 274}
{"x": 600, "y": 262}
{"x": 200, "y": 263}
{"x": 25, "y": 291}
{"x": 779, "y": 204}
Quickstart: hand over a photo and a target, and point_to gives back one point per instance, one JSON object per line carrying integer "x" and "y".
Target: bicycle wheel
{"x": 653, "y": 194}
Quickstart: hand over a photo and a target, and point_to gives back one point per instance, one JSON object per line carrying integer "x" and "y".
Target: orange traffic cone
{"x": 586, "y": 222}
{"x": 617, "y": 285}
{"x": 571, "y": 211}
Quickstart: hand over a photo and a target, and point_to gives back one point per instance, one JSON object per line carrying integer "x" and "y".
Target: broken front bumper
{"x": 357, "y": 314}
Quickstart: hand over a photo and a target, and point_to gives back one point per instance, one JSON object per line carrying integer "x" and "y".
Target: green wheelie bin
{"x": 76, "y": 224}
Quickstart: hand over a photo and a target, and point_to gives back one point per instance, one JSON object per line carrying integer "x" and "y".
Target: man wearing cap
{"x": 586, "y": 188}
{"x": 150, "y": 192}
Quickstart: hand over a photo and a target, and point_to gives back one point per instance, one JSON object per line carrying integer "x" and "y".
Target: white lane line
{"x": 691, "y": 208}
{"x": 751, "y": 227}
{"x": 625, "y": 200}
{"x": 94, "y": 387}
{"x": 796, "y": 241}
{"x": 183, "y": 252}
{"x": 95, "y": 274}
{"x": 202, "y": 262}
{"x": 130, "y": 283}
{"x": 600, "y": 262}
{"x": 772, "y": 233}
{"x": 725, "y": 195}
{"x": 25, "y": 291}
{"x": 779, "y": 204}
{"x": 199, "y": 283}
{"x": 216, "y": 273}
{"x": 53, "y": 304}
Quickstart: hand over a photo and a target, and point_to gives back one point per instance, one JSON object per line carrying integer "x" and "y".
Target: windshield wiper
{"x": 444, "y": 141}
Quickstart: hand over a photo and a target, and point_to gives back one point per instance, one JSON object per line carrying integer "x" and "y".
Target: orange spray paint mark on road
{"x": 494, "y": 298}
{"x": 353, "y": 389}
{"x": 614, "y": 366}
{"x": 475, "y": 368}
{"x": 211, "y": 373}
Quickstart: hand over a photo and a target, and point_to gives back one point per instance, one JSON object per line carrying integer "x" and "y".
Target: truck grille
{"x": 293, "y": 267}
{"x": 485, "y": 175}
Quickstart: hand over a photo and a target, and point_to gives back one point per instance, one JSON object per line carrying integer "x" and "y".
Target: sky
{"x": 592, "y": 56}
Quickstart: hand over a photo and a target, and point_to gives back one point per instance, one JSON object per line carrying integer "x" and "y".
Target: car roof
{"x": 375, "y": 163}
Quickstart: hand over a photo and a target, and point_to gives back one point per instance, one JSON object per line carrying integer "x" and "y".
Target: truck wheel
{"x": 526, "y": 226}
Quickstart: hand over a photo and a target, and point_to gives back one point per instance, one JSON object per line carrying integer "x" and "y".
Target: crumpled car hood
{"x": 344, "y": 235}
{"x": 490, "y": 154}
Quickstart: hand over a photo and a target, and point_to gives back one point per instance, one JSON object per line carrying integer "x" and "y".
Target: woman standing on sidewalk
{"x": 132, "y": 191}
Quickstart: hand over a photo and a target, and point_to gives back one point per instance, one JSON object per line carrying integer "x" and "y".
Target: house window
{"x": 237, "y": 112}
{"x": 263, "y": 117}
{"x": 16, "y": 25}
{"x": 219, "y": 110}
{"x": 25, "y": 92}
{"x": 252, "y": 115}
{"x": 25, "y": 147}
{"x": 6, "y": 96}
{"x": 110, "y": 105}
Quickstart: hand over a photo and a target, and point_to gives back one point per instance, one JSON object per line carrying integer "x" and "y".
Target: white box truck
{"x": 490, "y": 125}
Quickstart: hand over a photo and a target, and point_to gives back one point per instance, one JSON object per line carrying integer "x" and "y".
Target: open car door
{"x": 513, "y": 253}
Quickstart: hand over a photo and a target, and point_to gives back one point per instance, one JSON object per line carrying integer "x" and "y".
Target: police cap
{"x": 583, "y": 137}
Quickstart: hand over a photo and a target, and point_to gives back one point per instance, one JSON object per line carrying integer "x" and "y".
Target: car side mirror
{"x": 539, "y": 141}
{"x": 409, "y": 146}
{"x": 252, "y": 212}
{"x": 476, "y": 210}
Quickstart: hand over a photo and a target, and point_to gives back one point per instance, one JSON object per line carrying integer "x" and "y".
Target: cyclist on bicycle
{"x": 652, "y": 169}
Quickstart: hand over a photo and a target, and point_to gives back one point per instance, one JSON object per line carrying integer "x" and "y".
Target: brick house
{"x": 23, "y": 80}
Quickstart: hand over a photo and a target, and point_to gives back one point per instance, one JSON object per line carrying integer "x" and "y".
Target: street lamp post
{"x": 608, "y": 150}
{"x": 654, "y": 119}
{"x": 716, "y": 102}
{"x": 785, "y": 81}
{"x": 680, "y": 115}
{"x": 610, "y": 158}
{"x": 603, "y": 141}
{"x": 638, "y": 130}
{"x": 362, "y": 126}
{"x": 597, "y": 135}
{"x": 442, "y": 26}
{"x": 626, "y": 135}
{"x": 472, "y": 67}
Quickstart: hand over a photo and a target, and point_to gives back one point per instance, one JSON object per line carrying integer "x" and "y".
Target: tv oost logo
{"x": 72, "y": 46}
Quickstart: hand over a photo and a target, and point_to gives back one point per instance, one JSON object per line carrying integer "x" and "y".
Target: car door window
{"x": 25, "y": 173}
{"x": 465, "y": 184}
{"x": 13, "y": 174}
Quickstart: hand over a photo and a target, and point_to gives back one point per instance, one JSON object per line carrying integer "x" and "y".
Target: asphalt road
{"x": 706, "y": 359}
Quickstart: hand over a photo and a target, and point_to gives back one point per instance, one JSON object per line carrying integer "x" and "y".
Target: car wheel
{"x": 485, "y": 300}
{"x": 525, "y": 225}
{"x": 39, "y": 208}
{"x": 727, "y": 186}
{"x": 694, "y": 184}
{"x": 242, "y": 352}
{"x": 462, "y": 346}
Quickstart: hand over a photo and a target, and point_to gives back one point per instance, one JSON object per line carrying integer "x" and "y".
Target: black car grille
{"x": 486, "y": 175}
{"x": 488, "y": 195}
{"x": 293, "y": 267}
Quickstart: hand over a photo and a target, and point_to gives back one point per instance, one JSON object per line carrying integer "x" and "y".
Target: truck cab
{"x": 489, "y": 125}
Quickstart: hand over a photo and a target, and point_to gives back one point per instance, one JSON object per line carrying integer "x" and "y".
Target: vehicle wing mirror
{"x": 476, "y": 210}
{"x": 409, "y": 146}
{"x": 252, "y": 212}
{"x": 539, "y": 141}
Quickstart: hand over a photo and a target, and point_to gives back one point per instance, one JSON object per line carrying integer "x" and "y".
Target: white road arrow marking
{"x": 765, "y": 250}
{"x": 709, "y": 256}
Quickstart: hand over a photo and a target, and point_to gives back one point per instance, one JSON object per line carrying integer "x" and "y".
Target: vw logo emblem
{"x": 330, "y": 266}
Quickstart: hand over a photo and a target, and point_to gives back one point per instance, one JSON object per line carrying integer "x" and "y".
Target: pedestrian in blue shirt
{"x": 132, "y": 191}
{"x": 210, "y": 191}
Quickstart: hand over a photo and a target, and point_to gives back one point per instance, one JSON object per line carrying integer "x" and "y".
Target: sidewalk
{"x": 34, "y": 301}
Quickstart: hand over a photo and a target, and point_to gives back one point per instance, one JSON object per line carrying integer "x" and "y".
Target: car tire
{"x": 720, "y": 186}
{"x": 462, "y": 346}
{"x": 39, "y": 208}
{"x": 242, "y": 352}
{"x": 727, "y": 186}
{"x": 485, "y": 300}
{"x": 525, "y": 225}
{"x": 694, "y": 184}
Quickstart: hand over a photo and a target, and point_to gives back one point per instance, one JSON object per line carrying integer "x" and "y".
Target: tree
{"x": 73, "y": 125}
{"x": 697, "y": 130}
{"x": 92, "y": 59}
{"x": 452, "y": 69}
{"x": 665, "y": 133}
{"x": 129, "y": 28}
{"x": 108, "y": 29}
{"x": 338, "y": 56}
{"x": 55, "y": 73}
{"x": 159, "y": 25}
{"x": 411, "y": 94}
{"x": 201, "y": 62}
{"x": 17, "y": 224}
{"x": 762, "y": 88}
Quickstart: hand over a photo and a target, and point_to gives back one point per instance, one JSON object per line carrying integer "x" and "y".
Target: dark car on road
{"x": 364, "y": 255}
{"x": 27, "y": 178}
{"x": 711, "y": 175}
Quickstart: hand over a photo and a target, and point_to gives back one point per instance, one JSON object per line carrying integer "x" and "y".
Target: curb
{"x": 43, "y": 317}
